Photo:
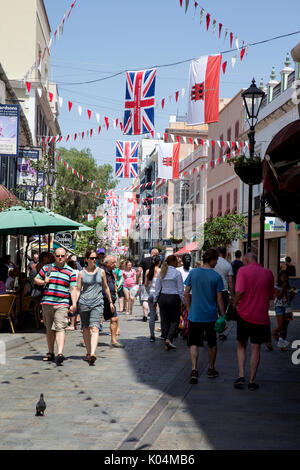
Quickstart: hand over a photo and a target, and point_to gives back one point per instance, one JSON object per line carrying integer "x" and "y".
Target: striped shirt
{"x": 61, "y": 280}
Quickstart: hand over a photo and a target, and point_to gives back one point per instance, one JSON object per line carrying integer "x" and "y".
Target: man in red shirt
{"x": 254, "y": 290}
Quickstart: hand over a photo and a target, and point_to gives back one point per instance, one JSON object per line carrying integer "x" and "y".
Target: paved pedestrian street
{"x": 140, "y": 397}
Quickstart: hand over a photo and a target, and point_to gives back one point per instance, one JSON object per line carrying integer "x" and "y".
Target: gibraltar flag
{"x": 168, "y": 161}
{"x": 203, "y": 105}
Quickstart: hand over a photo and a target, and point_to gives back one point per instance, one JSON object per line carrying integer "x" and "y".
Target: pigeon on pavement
{"x": 40, "y": 406}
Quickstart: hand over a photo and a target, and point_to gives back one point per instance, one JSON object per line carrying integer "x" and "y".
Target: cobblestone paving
{"x": 120, "y": 402}
{"x": 87, "y": 407}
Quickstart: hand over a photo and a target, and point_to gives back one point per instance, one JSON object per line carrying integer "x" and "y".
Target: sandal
{"x": 49, "y": 357}
{"x": 87, "y": 357}
{"x": 92, "y": 360}
{"x": 60, "y": 359}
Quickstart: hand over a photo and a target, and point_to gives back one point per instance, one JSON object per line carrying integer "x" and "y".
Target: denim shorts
{"x": 91, "y": 317}
{"x": 280, "y": 310}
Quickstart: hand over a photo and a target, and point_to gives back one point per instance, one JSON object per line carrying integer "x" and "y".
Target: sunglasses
{"x": 59, "y": 256}
{"x": 93, "y": 258}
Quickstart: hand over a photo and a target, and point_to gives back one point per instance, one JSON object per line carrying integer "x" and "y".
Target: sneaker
{"x": 152, "y": 339}
{"x": 170, "y": 345}
{"x": 212, "y": 373}
{"x": 282, "y": 343}
{"x": 117, "y": 345}
{"x": 253, "y": 386}
{"x": 145, "y": 319}
{"x": 194, "y": 377}
{"x": 239, "y": 383}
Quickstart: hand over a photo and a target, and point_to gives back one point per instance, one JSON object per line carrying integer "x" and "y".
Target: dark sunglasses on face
{"x": 59, "y": 256}
{"x": 93, "y": 258}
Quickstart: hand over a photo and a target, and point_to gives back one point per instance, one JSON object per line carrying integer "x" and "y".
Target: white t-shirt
{"x": 224, "y": 269}
{"x": 184, "y": 272}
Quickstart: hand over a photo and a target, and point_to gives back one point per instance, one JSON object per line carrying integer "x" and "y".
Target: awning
{"x": 188, "y": 248}
{"x": 5, "y": 194}
{"x": 281, "y": 173}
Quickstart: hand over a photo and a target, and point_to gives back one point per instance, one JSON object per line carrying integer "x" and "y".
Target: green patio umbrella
{"x": 20, "y": 221}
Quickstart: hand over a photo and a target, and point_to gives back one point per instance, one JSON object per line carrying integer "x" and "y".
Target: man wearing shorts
{"x": 207, "y": 287}
{"x": 55, "y": 302}
{"x": 109, "y": 266}
{"x": 254, "y": 290}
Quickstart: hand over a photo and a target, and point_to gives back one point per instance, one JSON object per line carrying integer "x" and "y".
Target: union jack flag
{"x": 111, "y": 198}
{"x": 127, "y": 159}
{"x": 139, "y": 102}
{"x": 146, "y": 221}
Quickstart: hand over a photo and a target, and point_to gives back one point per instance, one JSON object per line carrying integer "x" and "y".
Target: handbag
{"x": 231, "y": 313}
{"x": 38, "y": 291}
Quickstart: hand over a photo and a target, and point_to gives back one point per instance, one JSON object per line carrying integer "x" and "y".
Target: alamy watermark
{"x": 296, "y": 354}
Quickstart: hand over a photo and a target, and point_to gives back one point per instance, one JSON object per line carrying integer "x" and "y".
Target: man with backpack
{"x": 58, "y": 281}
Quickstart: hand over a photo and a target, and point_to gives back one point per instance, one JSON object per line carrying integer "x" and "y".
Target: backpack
{"x": 38, "y": 291}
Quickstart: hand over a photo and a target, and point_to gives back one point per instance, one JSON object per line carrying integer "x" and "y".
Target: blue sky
{"x": 104, "y": 37}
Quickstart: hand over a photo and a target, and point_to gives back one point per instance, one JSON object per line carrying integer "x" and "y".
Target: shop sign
{"x": 9, "y": 130}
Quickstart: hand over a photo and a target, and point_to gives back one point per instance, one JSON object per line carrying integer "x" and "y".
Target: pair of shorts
{"x": 258, "y": 334}
{"x": 133, "y": 291}
{"x": 279, "y": 310}
{"x": 121, "y": 293}
{"x": 143, "y": 294}
{"x": 92, "y": 317}
{"x": 55, "y": 317}
{"x": 196, "y": 332}
{"x": 107, "y": 312}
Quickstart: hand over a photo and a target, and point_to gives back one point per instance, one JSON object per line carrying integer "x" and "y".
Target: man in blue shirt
{"x": 207, "y": 286}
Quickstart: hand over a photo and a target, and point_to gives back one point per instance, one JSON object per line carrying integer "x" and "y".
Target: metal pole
{"x": 262, "y": 232}
{"x": 250, "y": 195}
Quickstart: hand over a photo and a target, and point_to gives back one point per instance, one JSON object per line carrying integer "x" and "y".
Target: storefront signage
{"x": 27, "y": 177}
{"x": 9, "y": 130}
{"x": 274, "y": 224}
{"x": 65, "y": 239}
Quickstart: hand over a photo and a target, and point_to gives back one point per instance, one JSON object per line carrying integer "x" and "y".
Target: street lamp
{"x": 252, "y": 98}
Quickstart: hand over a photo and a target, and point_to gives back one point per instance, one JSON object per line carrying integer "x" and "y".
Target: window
{"x": 227, "y": 203}
{"x": 228, "y": 139}
{"x": 235, "y": 199}
{"x": 237, "y": 130}
{"x": 219, "y": 205}
{"x": 221, "y": 148}
{"x": 213, "y": 155}
{"x": 257, "y": 203}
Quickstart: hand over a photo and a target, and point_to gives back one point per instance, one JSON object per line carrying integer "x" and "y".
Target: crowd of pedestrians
{"x": 188, "y": 301}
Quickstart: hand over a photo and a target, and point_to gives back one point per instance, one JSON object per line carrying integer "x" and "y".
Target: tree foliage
{"x": 222, "y": 231}
{"x": 71, "y": 199}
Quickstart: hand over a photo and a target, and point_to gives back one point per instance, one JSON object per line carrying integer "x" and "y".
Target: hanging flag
{"x": 203, "y": 104}
{"x": 111, "y": 198}
{"x": 146, "y": 221}
{"x": 139, "y": 102}
{"x": 168, "y": 161}
{"x": 186, "y": 5}
{"x": 127, "y": 159}
{"x": 224, "y": 65}
{"x": 28, "y": 86}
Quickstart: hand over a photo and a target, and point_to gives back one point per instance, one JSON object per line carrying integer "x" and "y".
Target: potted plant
{"x": 248, "y": 169}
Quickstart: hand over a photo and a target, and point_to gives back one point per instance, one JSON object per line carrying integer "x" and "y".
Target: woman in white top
{"x": 169, "y": 293}
{"x": 150, "y": 283}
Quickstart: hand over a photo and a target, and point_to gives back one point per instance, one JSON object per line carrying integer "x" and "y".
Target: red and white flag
{"x": 203, "y": 104}
{"x": 168, "y": 161}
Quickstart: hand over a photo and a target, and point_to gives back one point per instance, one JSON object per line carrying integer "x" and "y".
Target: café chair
{"x": 6, "y": 306}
